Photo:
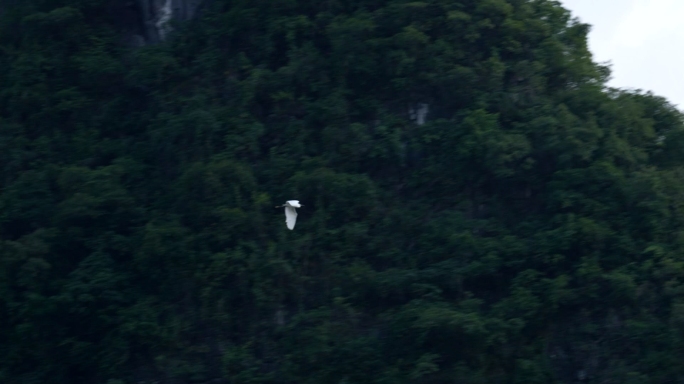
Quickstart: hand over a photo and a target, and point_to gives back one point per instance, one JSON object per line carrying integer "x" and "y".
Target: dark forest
{"x": 479, "y": 206}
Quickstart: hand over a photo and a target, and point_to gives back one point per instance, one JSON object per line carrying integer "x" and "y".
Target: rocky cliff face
{"x": 150, "y": 21}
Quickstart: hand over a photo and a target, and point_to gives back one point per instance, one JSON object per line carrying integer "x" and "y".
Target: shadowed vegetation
{"x": 531, "y": 231}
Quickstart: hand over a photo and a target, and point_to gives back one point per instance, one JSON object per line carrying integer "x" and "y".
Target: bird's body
{"x": 290, "y": 212}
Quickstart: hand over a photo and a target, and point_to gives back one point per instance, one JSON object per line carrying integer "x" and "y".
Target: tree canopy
{"x": 530, "y": 230}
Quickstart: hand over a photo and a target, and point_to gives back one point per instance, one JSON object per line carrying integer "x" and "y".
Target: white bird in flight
{"x": 290, "y": 212}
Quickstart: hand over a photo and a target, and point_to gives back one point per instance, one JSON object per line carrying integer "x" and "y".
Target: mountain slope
{"x": 527, "y": 231}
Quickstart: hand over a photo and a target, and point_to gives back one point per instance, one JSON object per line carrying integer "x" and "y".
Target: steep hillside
{"x": 479, "y": 206}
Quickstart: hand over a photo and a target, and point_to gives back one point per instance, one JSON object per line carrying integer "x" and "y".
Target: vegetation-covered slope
{"x": 529, "y": 232}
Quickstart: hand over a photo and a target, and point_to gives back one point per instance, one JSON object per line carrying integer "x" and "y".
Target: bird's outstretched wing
{"x": 290, "y": 217}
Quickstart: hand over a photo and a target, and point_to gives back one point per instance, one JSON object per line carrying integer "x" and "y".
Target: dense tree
{"x": 530, "y": 230}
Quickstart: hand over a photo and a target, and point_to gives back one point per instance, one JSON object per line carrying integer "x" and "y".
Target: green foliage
{"x": 530, "y": 231}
